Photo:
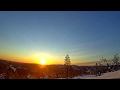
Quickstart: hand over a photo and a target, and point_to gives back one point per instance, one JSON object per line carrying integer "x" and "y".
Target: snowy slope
{"x": 108, "y": 75}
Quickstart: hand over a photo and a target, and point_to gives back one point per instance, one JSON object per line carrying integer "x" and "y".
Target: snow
{"x": 28, "y": 76}
{"x": 2, "y": 76}
{"x": 108, "y": 75}
{"x": 14, "y": 69}
{"x": 46, "y": 77}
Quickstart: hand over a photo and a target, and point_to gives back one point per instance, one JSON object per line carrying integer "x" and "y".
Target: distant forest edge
{"x": 18, "y": 70}
{"x": 92, "y": 63}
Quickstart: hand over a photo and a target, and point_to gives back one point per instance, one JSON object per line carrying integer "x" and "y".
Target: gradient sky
{"x": 86, "y": 36}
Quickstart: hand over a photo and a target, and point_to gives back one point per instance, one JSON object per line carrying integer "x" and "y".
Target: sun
{"x": 42, "y": 61}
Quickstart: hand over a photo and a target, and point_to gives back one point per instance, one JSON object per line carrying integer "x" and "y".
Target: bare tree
{"x": 67, "y": 64}
{"x": 116, "y": 60}
{"x": 103, "y": 60}
{"x": 101, "y": 67}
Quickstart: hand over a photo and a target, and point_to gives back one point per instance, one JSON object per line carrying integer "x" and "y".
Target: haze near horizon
{"x": 86, "y": 36}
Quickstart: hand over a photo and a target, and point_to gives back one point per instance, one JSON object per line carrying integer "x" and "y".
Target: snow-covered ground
{"x": 108, "y": 75}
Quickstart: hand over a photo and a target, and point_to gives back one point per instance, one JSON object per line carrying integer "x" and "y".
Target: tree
{"x": 67, "y": 64}
{"x": 104, "y": 60}
{"x": 116, "y": 60}
{"x": 96, "y": 69}
{"x": 101, "y": 65}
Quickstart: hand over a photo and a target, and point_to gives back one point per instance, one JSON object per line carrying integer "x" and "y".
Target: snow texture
{"x": 14, "y": 69}
{"x": 108, "y": 75}
{"x": 2, "y": 76}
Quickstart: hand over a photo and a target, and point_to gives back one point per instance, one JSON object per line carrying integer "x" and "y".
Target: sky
{"x": 86, "y": 36}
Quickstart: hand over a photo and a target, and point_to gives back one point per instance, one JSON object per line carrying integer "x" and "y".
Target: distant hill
{"x": 18, "y": 70}
{"x": 32, "y": 65}
{"x": 93, "y": 63}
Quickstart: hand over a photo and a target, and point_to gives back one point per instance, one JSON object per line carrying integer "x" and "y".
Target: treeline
{"x": 99, "y": 68}
{"x": 12, "y": 70}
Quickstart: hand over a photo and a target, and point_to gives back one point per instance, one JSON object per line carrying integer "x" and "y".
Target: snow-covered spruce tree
{"x": 116, "y": 60}
{"x": 96, "y": 69}
{"x": 67, "y": 65}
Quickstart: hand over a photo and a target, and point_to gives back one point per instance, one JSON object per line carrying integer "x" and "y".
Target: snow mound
{"x": 108, "y": 75}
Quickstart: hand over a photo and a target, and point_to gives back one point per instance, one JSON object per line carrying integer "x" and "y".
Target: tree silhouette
{"x": 116, "y": 60}
{"x": 104, "y": 60}
{"x": 67, "y": 64}
{"x": 101, "y": 65}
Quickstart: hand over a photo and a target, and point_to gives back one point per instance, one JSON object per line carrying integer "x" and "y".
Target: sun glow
{"x": 42, "y": 61}
{"x": 43, "y": 58}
